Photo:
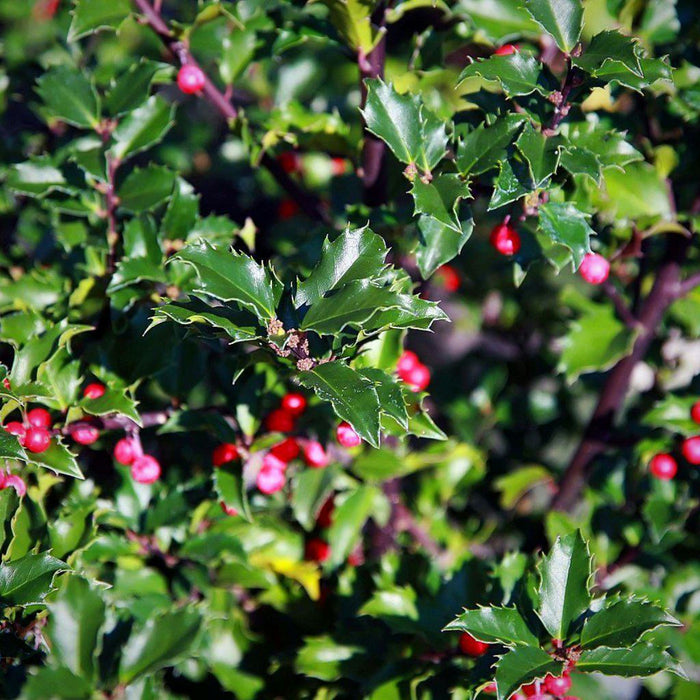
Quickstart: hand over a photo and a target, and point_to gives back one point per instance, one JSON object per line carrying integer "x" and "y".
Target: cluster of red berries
{"x": 412, "y": 371}
{"x": 664, "y": 466}
{"x": 145, "y": 469}
{"x": 34, "y": 434}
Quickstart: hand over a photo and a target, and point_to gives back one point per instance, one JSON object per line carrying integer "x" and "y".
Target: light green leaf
{"x": 89, "y": 16}
{"x": 562, "y": 19}
{"x": 566, "y": 224}
{"x": 541, "y": 154}
{"x": 58, "y": 458}
{"x": 35, "y": 178}
{"x": 353, "y": 20}
{"x": 131, "y": 88}
{"x": 348, "y": 520}
{"x": 439, "y": 244}
{"x": 230, "y": 488}
{"x": 486, "y": 146}
{"x": 609, "y": 45}
{"x": 440, "y": 198}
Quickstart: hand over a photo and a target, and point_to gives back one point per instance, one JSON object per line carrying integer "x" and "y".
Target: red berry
{"x": 270, "y": 478}
{"x": 663, "y": 466}
{"x": 594, "y": 268}
{"x": 84, "y": 434}
{"x": 127, "y": 450}
{"x": 37, "y": 439}
{"x": 14, "y": 427}
{"x": 229, "y": 510}
{"x": 448, "y": 277}
{"x": 94, "y": 391}
{"x": 691, "y": 449}
{"x": 294, "y": 404}
{"x": 39, "y": 418}
{"x": 279, "y": 421}
{"x": 289, "y": 161}
{"x": 13, "y": 481}
{"x": 271, "y": 461}
{"x": 506, "y": 50}
{"x": 190, "y": 79}
{"x": 356, "y": 558}
{"x": 339, "y": 166}
{"x": 407, "y": 361}
{"x": 490, "y": 688}
{"x": 530, "y": 690}
{"x": 314, "y": 454}
{"x": 6, "y": 384}
{"x": 286, "y": 451}
{"x": 325, "y": 515}
{"x": 224, "y": 453}
{"x": 347, "y": 436}
{"x": 557, "y": 685}
{"x": 417, "y": 378}
{"x": 317, "y": 550}
{"x": 145, "y": 469}
{"x": 470, "y": 646}
{"x": 505, "y": 239}
{"x": 287, "y": 209}
{"x": 695, "y": 412}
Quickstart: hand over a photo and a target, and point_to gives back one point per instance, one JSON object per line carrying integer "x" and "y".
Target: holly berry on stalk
{"x": 14, "y": 427}
{"x": 448, "y": 277}
{"x": 695, "y": 412}
{"x": 279, "y": 421}
{"x": 663, "y": 467}
{"x": 691, "y": 449}
{"x": 39, "y": 418}
{"x": 314, "y": 454}
{"x": 84, "y": 433}
{"x": 506, "y": 50}
{"x": 347, "y": 436}
{"x": 557, "y": 685}
{"x": 287, "y": 450}
{"x": 594, "y": 268}
{"x": 145, "y": 469}
{"x": 271, "y": 478}
{"x": 36, "y": 439}
{"x": 224, "y": 453}
{"x": 294, "y": 404}
{"x": 126, "y": 451}
{"x": 94, "y": 390}
{"x": 190, "y": 79}
{"x": 317, "y": 550}
{"x": 505, "y": 239}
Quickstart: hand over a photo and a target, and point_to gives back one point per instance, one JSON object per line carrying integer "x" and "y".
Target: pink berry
{"x": 557, "y": 685}
{"x": 271, "y": 461}
{"x": 505, "y": 239}
{"x": 14, "y": 427}
{"x": 317, "y": 550}
{"x": 279, "y": 421}
{"x": 270, "y": 479}
{"x": 506, "y": 50}
{"x": 94, "y": 391}
{"x": 229, "y": 510}
{"x": 663, "y": 467}
{"x": 39, "y": 418}
{"x": 224, "y": 453}
{"x": 347, "y": 436}
{"x": 417, "y": 378}
{"x": 407, "y": 361}
{"x": 15, "y": 482}
{"x": 126, "y": 451}
{"x": 470, "y": 646}
{"x": 294, "y": 404}
{"x": 84, "y": 434}
{"x": 287, "y": 450}
{"x": 448, "y": 277}
{"x": 356, "y": 558}
{"x": 190, "y": 79}
{"x": 314, "y": 454}
{"x": 691, "y": 449}
{"x": 594, "y": 268}
{"x": 37, "y": 439}
{"x": 145, "y": 469}
{"x": 695, "y": 412}
{"x": 6, "y": 383}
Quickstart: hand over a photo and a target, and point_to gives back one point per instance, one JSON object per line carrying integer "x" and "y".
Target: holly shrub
{"x": 349, "y": 349}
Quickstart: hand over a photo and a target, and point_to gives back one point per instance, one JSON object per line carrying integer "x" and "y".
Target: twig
{"x": 689, "y": 284}
{"x": 113, "y": 235}
{"x": 623, "y": 311}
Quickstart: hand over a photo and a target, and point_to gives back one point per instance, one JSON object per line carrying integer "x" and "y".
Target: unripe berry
{"x": 36, "y": 439}
{"x": 448, "y": 277}
{"x": 407, "y": 361}
{"x": 594, "y": 268}
{"x": 15, "y": 482}
{"x": 279, "y": 421}
{"x": 190, "y": 79}
{"x": 505, "y": 239}
{"x": 287, "y": 450}
{"x": 557, "y": 685}
{"x": 470, "y": 646}
{"x": 224, "y": 453}
{"x": 145, "y": 469}
{"x": 314, "y": 454}
{"x": 417, "y": 378}
{"x": 84, "y": 434}
{"x": 270, "y": 479}
{"x": 325, "y": 515}
{"x": 229, "y": 510}
{"x": 663, "y": 466}
{"x": 317, "y": 550}
{"x": 94, "y": 391}
{"x": 691, "y": 449}
{"x": 347, "y": 436}
{"x": 294, "y": 404}
{"x": 126, "y": 451}
{"x": 39, "y": 418}
{"x": 695, "y": 412}
{"x": 506, "y": 50}
{"x": 14, "y": 427}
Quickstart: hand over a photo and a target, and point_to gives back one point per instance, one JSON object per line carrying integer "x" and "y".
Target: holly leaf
{"x": 230, "y": 488}
{"x": 142, "y": 128}
{"x": 310, "y": 490}
{"x": 28, "y": 580}
{"x": 115, "y": 400}
{"x": 353, "y": 20}
{"x": 409, "y": 312}
{"x": 227, "y": 275}
{"x": 35, "y": 178}
{"x": 609, "y": 45}
{"x": 58, "y": 458}
{"x": 131, "y": 88}
{"x": 563, "y": 223}
{"x": 513, "y": 182}
{"x": 439, "y": 243}
{"x": 672, "y": 413}
{"x": 610, "y": 147}
{"x": 517, "y": 74}
{"x": 440, "y": 198}
{"x": 495, "y": 625}
{"x": 639, "y": 660}
{"x": 541, "y": 153}
{"x": 10, "y": 447}
{"x": 390, "y": 395}
{"x": 413, "y": 133}
{"x": 564, "y": 593}
{"x": 145, "y": 188}
{"x": 623, "y": 623}
{"x": 523, "y": 665}
{"x": 353, "y": 397}
{"x": 70, "y": 97}
{"x": 90, "y": 16}
{"x": 562, "y": 19}
{"x": 485, "y": 147}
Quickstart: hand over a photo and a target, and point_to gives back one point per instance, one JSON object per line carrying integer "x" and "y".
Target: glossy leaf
{"x": 495, "y": 625}
{"x": 348, "y": 520}
{"x": 439, "y": 243}
{"x": 28, "y": 580}
{"x": 483, "y": 148}
{"x": 440, "y": 198}
{"x": 641, "y": 659}
{"x": 142, "y": 128}
{"x": 521, "y": 666}
{"x": 562, "y": 19}
{"x": 90, "y": 16}
{"x": 70, "y": 97}
{"x": 230, "y": 488}
{"x": 517, "y": 74}
{"x": 58, "y": 458}
{"x": 35, "y": 178}
{"x": 566, "y": 224}
{"x": 145, "y": 189}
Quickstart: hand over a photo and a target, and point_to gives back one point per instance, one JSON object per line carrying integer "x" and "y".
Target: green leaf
{"x": 56, "y": 683}
{"x": 116, "y": 400}
{"x": 89, "y": 16}
{"x": 69, "y": 96}
{"x": 35, "y": 178}
{"x": 581, "y": 161}
{"x": 641, "y": 659}
{"x": 353, "y": 397}
{"x": 566, "y": 224}
{"x": 145, "y": 189}
{"x": 672, "y": 413}
{"x": 390, "y": 394}
{"x": 160, "y": 642}
{"x": 623, "y": 623}
{"x": 349, "y": 517}
{"x": 132, "y": 87}
{"x": 28, "y": 580}
{"x": 440, "y": 198}
{"x": 653, "y": 70}
{"x": 609, "y": 45}
{"x": 353, "y": 20}
{"x": 62, "y": 375}
{"x": 10, "y": 447}
{"x": 514, "y": 485}
{"x": 485, "y": 147}
{"x": 57, "y": 458}
{"x": 354, "y": 255}
{"x": 396, "y": 606}
{"x": 310, "y": 490}
{"x": 513, "y": 182}
{"x": 609, "y": 147}
{"x": 230, "y": 488}
{"x": 541, "y": 154}
{"x": 439, "y": 244}
{"x": 182, "y": 211}
{"x": 231, "y": 276}
{"x": 495, "y": 625}
{"x": 564, "y": 591}
{"x": 517, "y": 74}
{"x": 523, "y": 665}
{"x": 143, "y": 127}
{"x": 324, "y": 658}
{"x": 414, "y": 134}
{"x": 637, "y": 191}
{"x": 562, "y": 19}
{"x": 76, "y": 617}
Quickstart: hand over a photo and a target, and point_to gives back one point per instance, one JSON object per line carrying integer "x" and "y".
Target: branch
{"x": 665, "y": 291}
{"x": 623, "y": 311}
{"x": 689, "y": 284}
{"x": 113, "y": 235}
{"x": 307, "y": 201}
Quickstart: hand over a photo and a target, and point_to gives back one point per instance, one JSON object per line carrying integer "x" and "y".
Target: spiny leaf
{"x": 523, "y": 665}
{"x": 562, "y": 19}
{"x": 642, "y": 659}
{"x": 495, "y": 625}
